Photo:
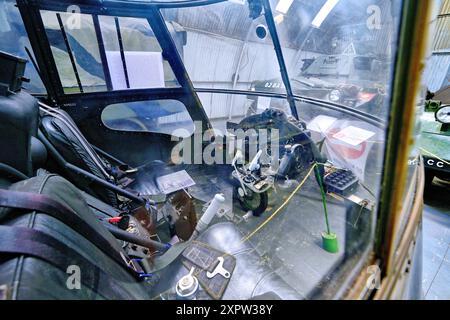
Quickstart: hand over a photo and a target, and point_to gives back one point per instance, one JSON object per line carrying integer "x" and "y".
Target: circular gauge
{"x": 443, "y": 114}
{"x": 334, "y": 96}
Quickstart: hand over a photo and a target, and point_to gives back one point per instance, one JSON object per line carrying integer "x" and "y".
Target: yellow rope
{"x": 280, "y": 207}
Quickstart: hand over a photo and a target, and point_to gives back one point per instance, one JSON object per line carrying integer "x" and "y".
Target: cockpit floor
{"x": 290, "y": 243}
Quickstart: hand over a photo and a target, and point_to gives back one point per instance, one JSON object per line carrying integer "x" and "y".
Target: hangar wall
{"x": 437, "y": 72}
{"x": 212, "y": 60}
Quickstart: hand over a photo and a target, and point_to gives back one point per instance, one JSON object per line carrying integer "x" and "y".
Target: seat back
{"x": 19, "y": 117}
{"x": 63, "y": 134}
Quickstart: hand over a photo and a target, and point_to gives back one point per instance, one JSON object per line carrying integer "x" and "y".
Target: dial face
{"x": 335, "y": 95}
{"x": 443, "y": 114}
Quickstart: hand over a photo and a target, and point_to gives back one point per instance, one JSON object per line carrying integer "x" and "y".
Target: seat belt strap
{"x": 47, "y": 205}
{"x": 35, "y": 243}
{"x": 168, "y": 257}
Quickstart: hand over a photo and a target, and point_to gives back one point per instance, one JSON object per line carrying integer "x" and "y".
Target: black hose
{"x": 87, "y": 175}
{"x": 130, "y": 237}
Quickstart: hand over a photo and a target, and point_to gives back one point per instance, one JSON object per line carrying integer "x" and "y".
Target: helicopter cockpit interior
{"x": 191, "y": 149}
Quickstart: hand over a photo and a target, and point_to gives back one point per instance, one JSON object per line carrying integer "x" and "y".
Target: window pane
{"x": 83, "y": 44}
{"x": 141, "y": 57}
{"x": 134, "y": 57}
{"x": 298, "y": 255}
{"x": 222, "y": 48}
{"x": 344, "y": 62}
{"x": 14, "y": 39}
{"x": 344, "y": 55}
{"x": 159, "y": 116}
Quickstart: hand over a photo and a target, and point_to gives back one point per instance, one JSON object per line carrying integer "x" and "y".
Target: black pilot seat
{"x": 41, "y": 253}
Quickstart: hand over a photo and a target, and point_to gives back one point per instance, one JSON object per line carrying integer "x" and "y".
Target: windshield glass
{"x": 231, "y": 44}
{"x": 339, "y": 58}
{"x": 337, "y": 51}
{"x": 272, "y": 160}
{"x": 343, "y": 49}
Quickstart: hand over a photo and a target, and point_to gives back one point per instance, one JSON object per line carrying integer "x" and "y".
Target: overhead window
{"x": 100, "y": 53}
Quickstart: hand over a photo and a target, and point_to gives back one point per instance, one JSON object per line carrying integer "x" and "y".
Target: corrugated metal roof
{"x": 232, "y": 20}
{"x": 441, "y": 39}
{"x": 442, "y": 35}
{"x": 436, "y": 72}
{"x": 445, "y": 7}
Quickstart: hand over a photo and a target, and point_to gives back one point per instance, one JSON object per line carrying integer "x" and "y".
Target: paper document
{"x": 321, "y": 123}
{"x": 115, "y": 67}
{"x": 144, "y": 69}
{"x": 175, "y": 181}
{"x": 353, "y": 136}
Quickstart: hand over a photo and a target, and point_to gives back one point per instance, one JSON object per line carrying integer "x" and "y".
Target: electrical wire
{"x": 246, "y": 238}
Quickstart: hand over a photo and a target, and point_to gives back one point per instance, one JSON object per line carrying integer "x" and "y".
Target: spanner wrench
{"x": 219, "y": 269}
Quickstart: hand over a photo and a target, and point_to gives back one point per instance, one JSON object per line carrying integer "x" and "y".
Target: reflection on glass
{"x": 340, "y": 60}
{"x": 158, "y": 116}
{"x": 133, "y": 56}
{"x": 226, "y": 42}
{"x": 341, "y": 51}
{"x": 14, "y": 40}
{"x": 68, "y": 42}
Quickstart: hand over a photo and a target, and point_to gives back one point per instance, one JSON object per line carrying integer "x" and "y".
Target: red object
{"x": 349, "y": 152}
{"x": 115, "y": 219}
{"x": 366, "y": 96}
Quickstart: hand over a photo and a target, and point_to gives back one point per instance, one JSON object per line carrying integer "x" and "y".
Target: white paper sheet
{"x": 353, "y": 136}
{"x": 175, "y": 181}
{"x": 115, "y": 67}
{"x": 320, "y": 123}
{"x": 144, "y": 69}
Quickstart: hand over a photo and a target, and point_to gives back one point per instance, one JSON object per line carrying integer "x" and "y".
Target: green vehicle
{"x": 435, "y": 138}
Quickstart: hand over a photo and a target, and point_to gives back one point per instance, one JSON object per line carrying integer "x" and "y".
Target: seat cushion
{"x": 67, "y": 143}
{"x": 32, "y": 278}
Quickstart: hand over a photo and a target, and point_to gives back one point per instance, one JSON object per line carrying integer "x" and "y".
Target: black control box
{"x": 342, "y": 182}
{"x": 12, "y": 69}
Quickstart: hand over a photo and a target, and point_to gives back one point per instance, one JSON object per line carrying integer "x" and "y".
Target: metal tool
{"x": 219, "y": 269}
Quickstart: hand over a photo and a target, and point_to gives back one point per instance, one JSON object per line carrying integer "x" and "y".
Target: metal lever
{"x": 219, "y": 269}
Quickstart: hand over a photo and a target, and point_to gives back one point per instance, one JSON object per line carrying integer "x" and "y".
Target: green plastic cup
{"x": 330, "y": 242}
